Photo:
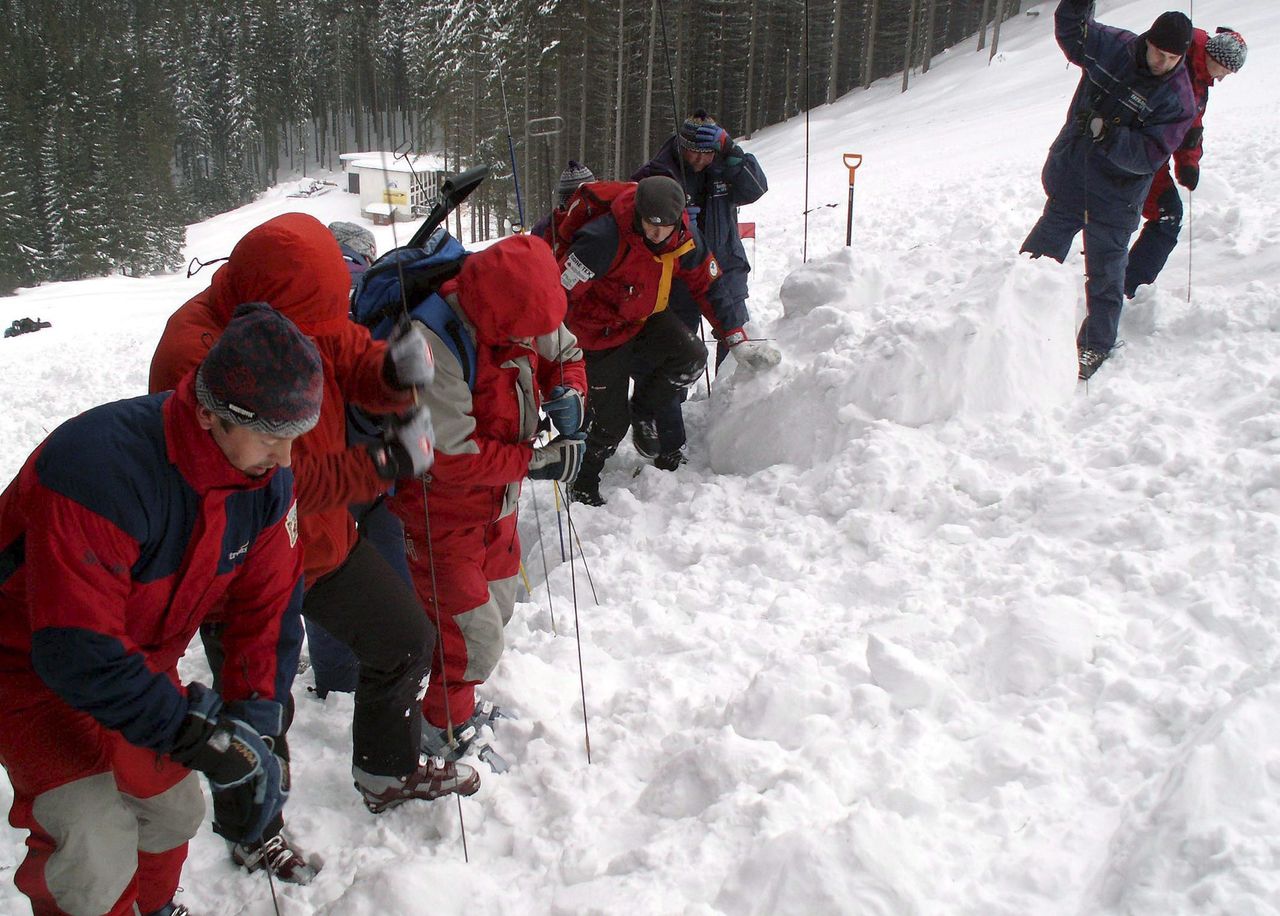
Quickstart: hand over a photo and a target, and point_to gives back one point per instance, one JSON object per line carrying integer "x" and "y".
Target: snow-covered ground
{"x": 924, "y": 627}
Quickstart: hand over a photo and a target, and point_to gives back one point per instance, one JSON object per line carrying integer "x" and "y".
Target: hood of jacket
{"x": 511, "y": 290}
{"x": 293, "y": 263}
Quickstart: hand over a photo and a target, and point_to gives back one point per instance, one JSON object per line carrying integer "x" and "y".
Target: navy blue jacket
{"x": 717, "y": 192}
{"x": 1146, "y": 115}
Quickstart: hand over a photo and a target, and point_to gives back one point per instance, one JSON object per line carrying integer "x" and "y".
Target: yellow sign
{"x": 395, "y": 196}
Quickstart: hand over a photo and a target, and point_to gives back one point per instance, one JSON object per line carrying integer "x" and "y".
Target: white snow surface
{"x": 925, "y": 626}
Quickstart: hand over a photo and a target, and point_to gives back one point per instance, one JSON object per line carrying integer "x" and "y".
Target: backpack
{"x": 589, "y": 201}
{"x": 377, "y": 302}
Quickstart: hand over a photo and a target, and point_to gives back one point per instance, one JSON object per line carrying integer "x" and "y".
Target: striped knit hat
{"x": 688, "y": 134}
{"x": 263, "y": 373}
{"x": 574, "y": 174}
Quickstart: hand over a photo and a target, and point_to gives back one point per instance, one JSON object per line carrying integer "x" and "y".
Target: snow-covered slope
{"x": 924, "y": 627}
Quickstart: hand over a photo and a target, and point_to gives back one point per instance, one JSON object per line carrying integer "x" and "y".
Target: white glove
{"x": 756, "y": 354}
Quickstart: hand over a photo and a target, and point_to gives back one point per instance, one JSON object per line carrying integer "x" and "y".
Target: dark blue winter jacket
{"x": 1146, "y": 115}
{"x": 717, "y": 192}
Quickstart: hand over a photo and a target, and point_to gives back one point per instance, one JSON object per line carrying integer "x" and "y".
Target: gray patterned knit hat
{"x": 263, "y": 373}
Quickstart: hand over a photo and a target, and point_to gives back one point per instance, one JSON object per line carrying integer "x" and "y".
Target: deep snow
{"x": 925, "y": 626}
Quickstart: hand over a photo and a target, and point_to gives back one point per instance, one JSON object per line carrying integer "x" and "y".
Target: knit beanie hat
{"x": 357, "y": 238}
{"x": 659, "y": 201}
{"x": 574, "y": 175}
{"x": 688, "y": 133}
{"x": 1171, "y": 32}
{"x": 263, "y": 373}
{"x": 1227, "y": 48}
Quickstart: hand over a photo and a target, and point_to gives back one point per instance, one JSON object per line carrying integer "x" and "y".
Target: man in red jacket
{"x": 1209, "y": 61}
{"x": 461, "y": 538}
{"x": 293, "y": 263}
{"x": 126, "y": 529}
{"x": 618, "y": 273}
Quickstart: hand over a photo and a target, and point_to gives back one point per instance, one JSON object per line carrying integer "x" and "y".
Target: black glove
{"x": 1188, "y": 176}
{"x": 246, "y": 778}
{"x": 1092, "y": 125}
{"x": 560, "y": 459}
{"x": 408, "y": 363}
{"x": 406, "y": 448}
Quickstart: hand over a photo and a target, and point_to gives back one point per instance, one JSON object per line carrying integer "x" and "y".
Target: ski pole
{"x": 851, "y": 161}
{"x": 1190, "y": 241}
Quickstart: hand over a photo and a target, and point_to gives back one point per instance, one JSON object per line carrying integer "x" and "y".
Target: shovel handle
{"x": 852, "y": 161}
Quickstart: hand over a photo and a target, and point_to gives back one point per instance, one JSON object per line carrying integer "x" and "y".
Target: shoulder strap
{"x": 437, "y": 314}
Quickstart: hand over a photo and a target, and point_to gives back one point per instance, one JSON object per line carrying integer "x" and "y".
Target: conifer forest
{"x": 121, "y": 121}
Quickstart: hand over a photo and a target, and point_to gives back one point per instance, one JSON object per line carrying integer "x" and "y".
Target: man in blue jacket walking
{"x": 1130, "y": 112}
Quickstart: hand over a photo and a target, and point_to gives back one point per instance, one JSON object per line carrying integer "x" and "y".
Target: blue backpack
{"x": 409, "y": 278}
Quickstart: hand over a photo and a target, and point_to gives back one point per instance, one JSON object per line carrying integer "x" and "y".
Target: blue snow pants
{"x": 1108, "y": 210}
{"x": 1156, "y": 242}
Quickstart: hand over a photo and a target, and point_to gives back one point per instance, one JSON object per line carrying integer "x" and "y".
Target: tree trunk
{"x": 748, "y": 102}
{"x": 928, "y": 36}
{"x": 911, "y": 41}
{"x": 618, "y": 96}
{"x": 982, "y": 24}
{"x": 995, "y": 30}
{"x": 647, "y": 127}
{"x": 833, "y": 75}
{"x": 869, "y": 58}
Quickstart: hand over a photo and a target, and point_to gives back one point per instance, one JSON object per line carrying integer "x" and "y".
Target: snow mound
{"x": 1039, "y": 644}
{"x": 858, "y": 349}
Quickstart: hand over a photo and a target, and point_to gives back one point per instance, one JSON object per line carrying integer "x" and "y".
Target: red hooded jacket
{"x": 293, "y": 263}
{"x": 510, "y": 300}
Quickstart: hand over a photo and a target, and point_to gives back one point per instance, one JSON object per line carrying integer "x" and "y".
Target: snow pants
{"x": 333, "y": 665}
{"x": 107, "y": 822}
{"x": 1112, "y": 215}
{"x": 673, "y": 356}
{"x": 670, "y": 416}
{"x": 466, "y": 579}
{"x": 371, "y": 610}
{"x": 1159, "y": 236}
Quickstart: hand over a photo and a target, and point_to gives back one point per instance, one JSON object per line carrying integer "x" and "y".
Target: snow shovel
{"x": 852, "y": 161}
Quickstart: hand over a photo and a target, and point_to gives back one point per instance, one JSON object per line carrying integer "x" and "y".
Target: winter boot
{"x": 669, "y": 461}
{"x": 432, "y": 779}
{"x": 644, "y": 436}
{"x": 171, "y": 909}
{"x": 585, "y": 488}
{"x": 277, "y": 854}
{"x": 1090, "y": 360}
{"x": 466, "y": 738}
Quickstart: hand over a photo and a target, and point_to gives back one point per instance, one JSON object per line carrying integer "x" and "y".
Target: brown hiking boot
{"x": 434, "y": 778}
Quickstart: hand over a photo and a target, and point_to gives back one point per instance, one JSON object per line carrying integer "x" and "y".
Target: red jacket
{"x": 616, "y": 282}
{"x": 121, "y": 534}
{"x": 1198, "y": 70}
{"x": 511, "y": 303}
{"x": 294, "y": 263}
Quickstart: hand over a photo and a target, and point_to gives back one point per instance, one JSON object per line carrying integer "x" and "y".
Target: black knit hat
{"x": 688, "y": 134}
{"x": 263, "y": 373}
{"x": 574, "y": 174}
{"x": 659, "y": 201}
{"x": 1171, "y": 32}
{"x": 1227, "y": 48}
